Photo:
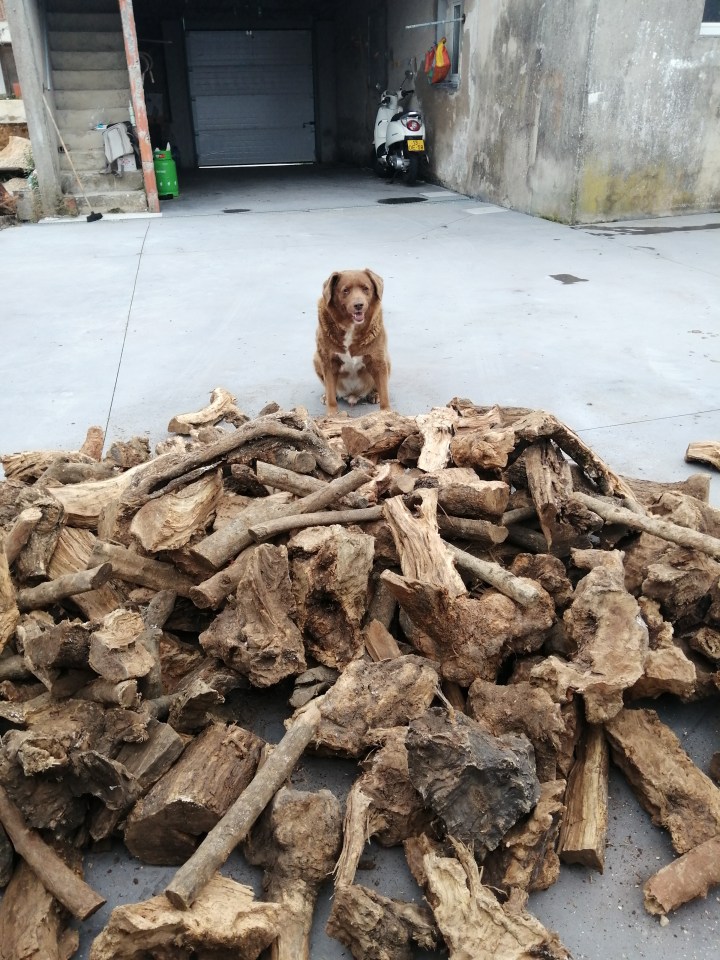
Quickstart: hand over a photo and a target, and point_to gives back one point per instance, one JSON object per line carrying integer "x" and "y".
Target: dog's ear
{"x": 329, "y": 287}
{"x": 376, "y": 281}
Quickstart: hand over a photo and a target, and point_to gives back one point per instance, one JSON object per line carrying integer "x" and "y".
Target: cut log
{"x": 258, "y": 636}
{"x": 33, "y": 925}
{"x": 374, "y": 927}
{"x": 302, "y": 486}
{"x": 170, "y": 521}
{"x": 549, "y": 572}
{"x": 93, "y": 443}
{"x": 84, "y": 502}
{"x": 19, "y": 533}
{"x": 704, "y": 451}
{"x": 654, "y": 525}
{"x": 129, "y": 453}
{"x": 706, "y": 641}
{"x": 274, "y": 528}
{"x": 584, "y": 829}
{"x": 330, "y": 570}
{"x": 45, "y": 594}
{"x": 520, "y": 590}
{"x": 57, "y": 878}
{"x": 476, "y": 784}
{"x": 377, "y": 434}
{"x": 605, "y": 625}
{"x": 297, "y": 842}
{"x": 31, "y": 563}
{"x": 133, "y": 568}
{"x": 193, "y": 796}
{"x": 676, "y": 794}
{"x": 436, "y": 429}
{"x": 9, "y": 613}
{"x": 687, "y": 878}
{"x": 476, "y": 531}
{"x": 72, "y": 554}
{"x": 116, "y": 650}
{"x": 380, "y": 644}
{"x": 224, "y": 921}
{"x": 472, "y": 922}
{"x": 221, "y": 407}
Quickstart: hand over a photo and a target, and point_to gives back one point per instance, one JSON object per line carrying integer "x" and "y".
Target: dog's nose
{"x": 358, "y": 306}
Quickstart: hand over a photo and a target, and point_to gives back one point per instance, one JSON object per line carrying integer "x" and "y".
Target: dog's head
{"x": 352, "y": 292}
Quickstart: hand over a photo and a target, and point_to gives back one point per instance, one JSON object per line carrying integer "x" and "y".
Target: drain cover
{"x": 237, "y": 210}
{"x": 404, "y": 200}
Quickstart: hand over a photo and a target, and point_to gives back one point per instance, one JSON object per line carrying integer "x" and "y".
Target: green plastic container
{"x": 165, "y": 173}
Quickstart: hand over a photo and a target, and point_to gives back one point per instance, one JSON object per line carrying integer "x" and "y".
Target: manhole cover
{"x": 237, "y": 210}
{"x": 404, "y": 200}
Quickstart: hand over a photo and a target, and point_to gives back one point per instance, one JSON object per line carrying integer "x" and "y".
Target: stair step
{"x": 82, "y": 60}
{"x": 84, "y": 22}
{"x": 89, "y": 99}
{"x": 91, "y": 79}
{"x": 103, "y": 183}
{"x": 131, "y": 201}
{"x": 83, "y": 141}
{"x": 79, "y": 121}
{"x": 92, "y": 161}
{"x": 97, "y": 42}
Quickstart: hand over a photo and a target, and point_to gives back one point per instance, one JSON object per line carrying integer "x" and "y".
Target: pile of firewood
{"x": 467, "y": 602}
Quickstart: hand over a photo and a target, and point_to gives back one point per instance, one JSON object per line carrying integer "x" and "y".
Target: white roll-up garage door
{"x": 252, "y": 96}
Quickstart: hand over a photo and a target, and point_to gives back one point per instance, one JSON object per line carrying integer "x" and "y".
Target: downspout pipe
{"x": 137, "y": 94}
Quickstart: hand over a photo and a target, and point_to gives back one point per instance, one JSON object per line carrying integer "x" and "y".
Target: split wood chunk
{"x": 57, "y": 878}
{"x": 93, "y": 443}
{"x": 116, "y": 652}
{"x": 33, "y": 924}
{"x": 84, "y": 502}
{"x": 297, "y": 842}
{"x": 163, "y": 827}
{"x": 69, "y": 585}
{"x": 28, "y": 465}
{"x": 474, "y": 925}
{"x": 647, "y": 492}
{"x": 687, "y": 878}
{"x": 225, "y": 920}
{"x": 423, "y": 555}
{"x": 704, "y": 451}
{"x": 382, "y": 803}
{"x": 472, "y": 636}
{"x": 526, "y": 858}
{"x": 258, "y": 636}
{"x": 380, "y": 644}
{"x": 549, "y": 572}
{"x": 221, "y": 407}
{"x": 520, "y": 708}
{"x": 436, "y": 429}
{"x": 706, "y": 641}
{"x": 129, "y": 453}
{"x": 9, "y": 613}
{"x": 374, "y": 927}
{"x": 63, "y": 646}
{"x": 584, "y": 829}
{"x": 478, "y": 785}
{"x": 369, "y": 698}
{"x": 330, "y": 570}
{"x": 611, "y": 638}
{"x": 144, "y": 571}
{"x": 31, "y": 563}
{"x": 462, "y": 493}
{"x": 687, "y": 511}
{"x": 658, "y": 527}
{"x": 71, "y": 555}
{"x": 676, "y": 794}
{"x": 19, "y": 533}
{"x": 550, "y": 483}
{"x": 376, "y": 434}
{"x": 681, "y": 580}
{"x": 170, "y": 521}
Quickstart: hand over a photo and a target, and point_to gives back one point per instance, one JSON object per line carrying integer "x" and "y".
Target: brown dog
{"x": 351, "y": 358}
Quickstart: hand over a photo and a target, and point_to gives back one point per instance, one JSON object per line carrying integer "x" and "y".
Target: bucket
{"x": 165, "y": 173}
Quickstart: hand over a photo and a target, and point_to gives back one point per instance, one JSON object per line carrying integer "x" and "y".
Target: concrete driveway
{"x": 614, "y": 328}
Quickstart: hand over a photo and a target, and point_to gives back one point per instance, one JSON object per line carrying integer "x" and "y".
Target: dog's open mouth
{"x": 358, "y": 316}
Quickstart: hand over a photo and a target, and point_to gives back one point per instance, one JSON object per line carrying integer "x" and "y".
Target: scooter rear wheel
{"x": 411, "y": 174}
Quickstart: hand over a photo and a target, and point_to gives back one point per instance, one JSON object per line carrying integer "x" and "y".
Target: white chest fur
{"x": 350, "y": 380}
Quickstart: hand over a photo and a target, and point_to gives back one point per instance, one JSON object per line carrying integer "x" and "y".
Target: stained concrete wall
{"x": 577, "y": 112}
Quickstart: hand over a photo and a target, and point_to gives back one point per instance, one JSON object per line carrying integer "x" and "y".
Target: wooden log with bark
{"x": 685, "y": 879}
{"x": 33, "y": 923}
{"x": 704, "y": 451}
{"x": 583, "y": 835}
{"x": 222, "y": 406}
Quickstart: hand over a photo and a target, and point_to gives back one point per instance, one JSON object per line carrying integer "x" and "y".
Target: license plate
{"x": 414, "y": 145}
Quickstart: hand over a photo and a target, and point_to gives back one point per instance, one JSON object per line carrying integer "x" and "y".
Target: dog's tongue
{"x": 358, "y": 316}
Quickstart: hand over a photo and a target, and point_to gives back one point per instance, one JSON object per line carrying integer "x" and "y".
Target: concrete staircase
{"x": 91, "y": 86}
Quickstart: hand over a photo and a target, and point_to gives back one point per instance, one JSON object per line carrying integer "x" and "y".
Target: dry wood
{"x": 9, "y": 613}
{"x": 297, "y": 842}
{"x": 84, "y": 502}
{"x": 676, "y": 794}
{"x": 19, "y": 533}
{"x": 64, "y": 471}
{"x": 584, "y": 830}
{"x": 13, "y": 667}
{"x": 130, "y": 453}
{"x": 168, "y": 522}
{"x": 33, "y": 925}
{"x": 64, "y": 884}
{"x": 130, "y": 566}
{"x": 654, "y": 525}
{"x": 221, "y": 407}
{"x": 704, "y": 451}
{"x": 31, "y": 563}
{"x": 477, "y": 531}
{"x": 380, "y": 644}
{"x": 273, "y": 528}
{"x": 647, "y": 492}
{"x": 234, "y": 826}
{"x": 227, "y": 542}
{"x": 117, "y": 651}
{"x": 122, "y": 694}
{"x": 28, "y": 465}
{"x": 93, "y": 443}
{"x": 376, "y": 434}
{"x": 45, "y": 594}
{"x": 519, "y": 589}
{"x": 436, "y": 429}
{"x": 72, "y": 554}
{"x": 224, "y": 921}
{"x": 687, "y": 878}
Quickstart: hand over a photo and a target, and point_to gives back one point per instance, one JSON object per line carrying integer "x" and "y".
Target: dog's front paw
{"x": 372, "y": 397}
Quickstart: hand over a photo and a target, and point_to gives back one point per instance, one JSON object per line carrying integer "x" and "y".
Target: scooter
{"x": 399, "y": 138}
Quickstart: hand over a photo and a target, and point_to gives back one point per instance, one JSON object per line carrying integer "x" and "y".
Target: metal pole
{"x": 137, "y": 94}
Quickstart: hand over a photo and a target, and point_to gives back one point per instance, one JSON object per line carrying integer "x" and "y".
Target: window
{"x": 711, "y": 19}
{"x": 450, "y": 25}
